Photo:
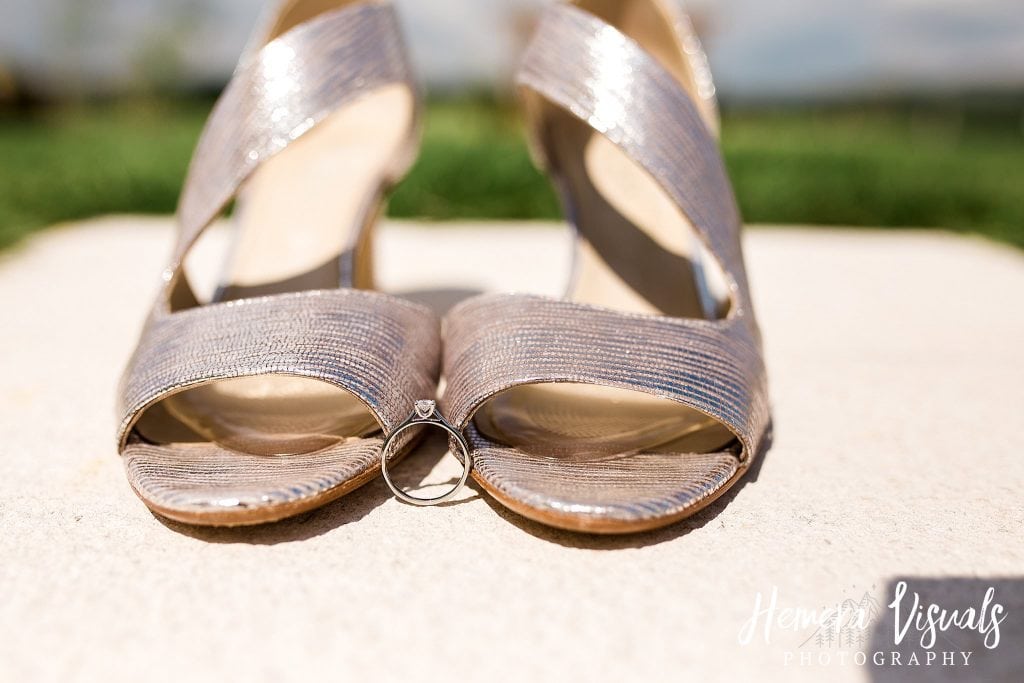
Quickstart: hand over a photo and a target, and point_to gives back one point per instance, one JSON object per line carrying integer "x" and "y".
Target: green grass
{"x": 881, "y": 168}
{"x": 898, "y": 167}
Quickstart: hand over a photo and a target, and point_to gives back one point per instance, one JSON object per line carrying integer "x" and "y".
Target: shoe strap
{"x": 382, "y": 349}
{"x": 606, "y": 79}
{"x": 496, "y": 342}
{"x": 603, "y": 77}
{"x": 279, "y": 93}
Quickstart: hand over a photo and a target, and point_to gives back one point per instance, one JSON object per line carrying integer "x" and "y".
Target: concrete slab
{"x": 898, "y": 385}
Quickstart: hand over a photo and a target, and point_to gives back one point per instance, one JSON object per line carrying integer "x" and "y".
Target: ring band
{"x": 426, "y": 414}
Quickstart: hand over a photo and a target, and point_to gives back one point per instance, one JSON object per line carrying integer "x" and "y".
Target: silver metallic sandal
{"x": 272, "y": 398}
{"x": 642, "y": 396}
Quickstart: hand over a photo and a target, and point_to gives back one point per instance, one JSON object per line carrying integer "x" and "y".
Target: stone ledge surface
{"x": 896, "y": 373}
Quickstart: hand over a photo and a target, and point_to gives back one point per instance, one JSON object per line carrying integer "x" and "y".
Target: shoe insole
{"x": 303, "y": 224}
{"x": 637, "y": 253}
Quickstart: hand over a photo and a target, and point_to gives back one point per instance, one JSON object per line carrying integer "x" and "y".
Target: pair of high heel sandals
{"x": 633, "y": 402}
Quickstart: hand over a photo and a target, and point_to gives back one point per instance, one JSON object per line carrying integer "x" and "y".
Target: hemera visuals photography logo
{"x": 908, "y": 631}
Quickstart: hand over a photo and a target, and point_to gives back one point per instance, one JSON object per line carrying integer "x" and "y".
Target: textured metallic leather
{"x": 697, "y": 60}
{"x": 605, "y": 78}
{"x": 281, "y": 92}
{"x": 641, "y": 490}
{"x": 213, "y": 482}
{"x": 496, "y": 342}
{"x": 382, "y": 349}
{"x": 492, "y": 343}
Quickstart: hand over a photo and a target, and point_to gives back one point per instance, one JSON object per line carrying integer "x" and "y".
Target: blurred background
{"x": 891, "y": 113}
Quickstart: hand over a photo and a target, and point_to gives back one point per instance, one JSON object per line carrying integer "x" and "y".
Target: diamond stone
{"x": 425, "y": 409}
